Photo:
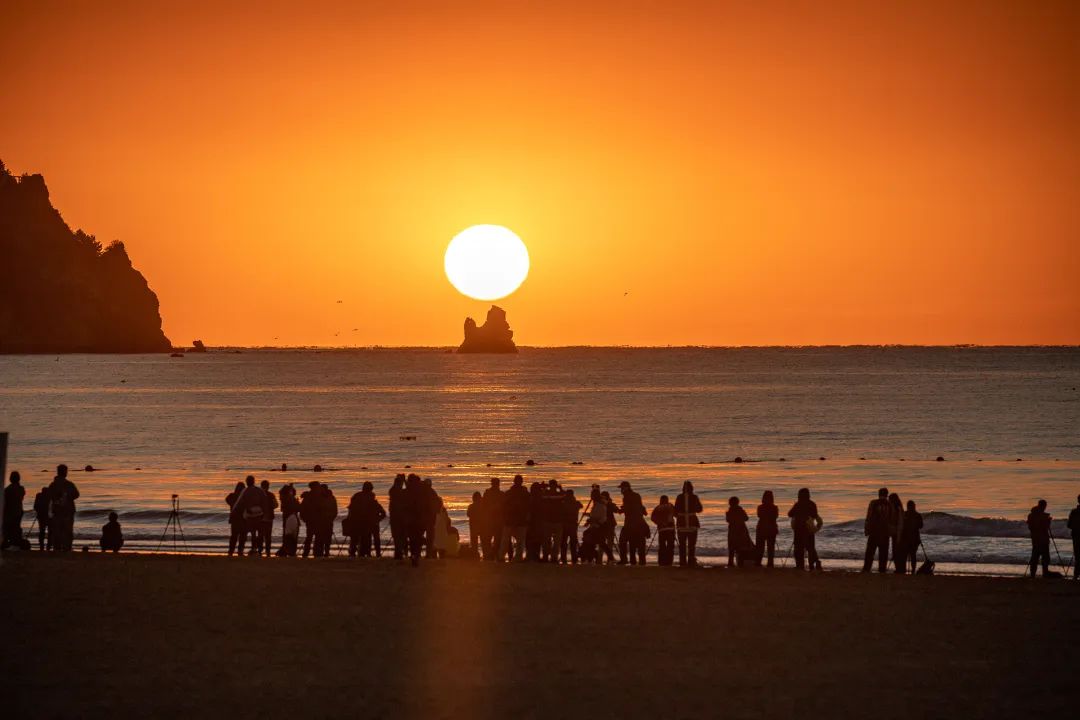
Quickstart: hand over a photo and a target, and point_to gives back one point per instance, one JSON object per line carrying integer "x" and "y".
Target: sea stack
{"x": 494, "y": 336}
{"x": 62, "y": 292}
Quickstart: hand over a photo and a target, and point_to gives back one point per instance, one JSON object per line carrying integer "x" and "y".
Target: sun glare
{"x": 486, "y": 262}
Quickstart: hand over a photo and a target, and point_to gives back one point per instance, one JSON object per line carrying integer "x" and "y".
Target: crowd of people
{"x": 543, "y": 522}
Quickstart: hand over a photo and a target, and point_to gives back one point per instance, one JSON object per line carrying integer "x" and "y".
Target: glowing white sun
{"x": 486, "y": 262}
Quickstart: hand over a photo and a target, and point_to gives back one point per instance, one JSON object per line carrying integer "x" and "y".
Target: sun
{"x": 486, "y": 262}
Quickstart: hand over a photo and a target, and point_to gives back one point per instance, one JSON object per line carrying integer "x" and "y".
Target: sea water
{"x": 840, "y": 421}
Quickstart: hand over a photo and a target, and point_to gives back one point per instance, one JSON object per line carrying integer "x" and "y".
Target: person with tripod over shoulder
{"x": 1038, "y": 522}
{"x": 687, "y": 507}
{"x": 1074, "y": 526}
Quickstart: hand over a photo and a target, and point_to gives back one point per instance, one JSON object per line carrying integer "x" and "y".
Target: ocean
{"x": 840, "y": 421}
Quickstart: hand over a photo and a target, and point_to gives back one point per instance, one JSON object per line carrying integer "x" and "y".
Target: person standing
{"x": 267, "y": 529}
{"x": 877, "y": 531}
{"x": 740, "y": 546}
{"x": 568, "y": 538}
{"x": 687, "y": 507}
{"x": 396, "y": 497}
{"x": 325, "y": 531}
{"x": 595, "y": 537}
{"x": 767, "y": 528}
{"x": 62, "y": 497}
{"x": 515, "y": 520}
{"x": 805, "y": 523}
{"x": 311, "y": 515}
{"x": 365, "y": 516}
{"x": 491, "y": 539}
{"x": 13, "y": 512}
{"x": 1038, "y": 522}
{"x": 236, "y": 523}
{"x": 896, "y": 527}
{"x": 41, "y": 508}
{"x": 551, "y": 510}
{"x": 415, "y": 513}
{"x": 910, "y": 539}
{"x": 290, "y": 521}
{"x": 663, "y": 516}
{"x": 477, "y": 522}
{"x": 1074, "y": 526}
{"x": 634, "y": 529}
{"x": 251, "y": 510}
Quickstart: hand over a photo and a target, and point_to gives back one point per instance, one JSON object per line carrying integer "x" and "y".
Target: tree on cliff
{"x": 59, "y": 291}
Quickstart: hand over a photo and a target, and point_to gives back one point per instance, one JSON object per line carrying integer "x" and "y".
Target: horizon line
{"x": 1062, "y": 346}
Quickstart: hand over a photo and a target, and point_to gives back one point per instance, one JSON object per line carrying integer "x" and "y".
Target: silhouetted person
{"x": 492, "y": 529}
{"x": 396, "y": 496}
{"x": 877, "y": 531}
{"x": 740, "y": 546}
{"x": 112, "y": 537}
{"x": 534, "y": 531}
{"x": 312, "y": 515}
{"x": 13, "y": 512}
{"x": 1038, "y": 522}
{"x": 477, "y": 522}
{"x": 325, "y": 531}
{"x": 42, "y": 504}
{"x": 515, "y": 519}
{"x": 910, "y": 539}
{"x": 236, "y": 523}
{"x": 805, "y": 522}
{"x": 663, "y": 516}
{"x": 896, "y": 527}
{"x": 1074, "y": 527}
{"x": 595, "y": 537}
{"x": 62, "y": 497}
{"x": 635, "y": 531}
{"x": 266, "y": 528}
{"x": 251, "y": 508}
{"x": 568, "y": 539}
{"x": 432, "y": 510}
{"x": 687, "y": 507}
{"x": 767, "y": 528}
{"x": 446, "y": 540}
{"x": 290, "y": 521}
{"x": 551, "y": 515}
{"x": 415, "y": 513}
{"x": 365, "y": 516}
{"x": 610, "y": 525}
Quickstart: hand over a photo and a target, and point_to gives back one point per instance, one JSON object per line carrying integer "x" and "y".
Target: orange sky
{"x": 752, "y": 173}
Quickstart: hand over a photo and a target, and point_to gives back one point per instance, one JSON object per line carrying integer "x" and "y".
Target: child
{"x": 112, "y": 537}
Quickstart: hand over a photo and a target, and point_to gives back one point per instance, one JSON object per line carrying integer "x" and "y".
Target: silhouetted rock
{"x": 197, "y": 346}
{"x": 494, "y": 336}
{"x": 60, "y": 291}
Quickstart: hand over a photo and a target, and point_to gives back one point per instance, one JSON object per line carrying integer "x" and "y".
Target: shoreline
{"x": 134, "y": 635}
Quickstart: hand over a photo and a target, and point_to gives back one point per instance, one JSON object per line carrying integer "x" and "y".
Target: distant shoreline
{"x": 222, "y": 349}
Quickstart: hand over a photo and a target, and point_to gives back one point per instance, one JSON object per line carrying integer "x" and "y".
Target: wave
{"x": 942, "y": 523}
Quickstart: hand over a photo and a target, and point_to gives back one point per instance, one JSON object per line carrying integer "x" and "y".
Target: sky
{"x": 683, "y": 173}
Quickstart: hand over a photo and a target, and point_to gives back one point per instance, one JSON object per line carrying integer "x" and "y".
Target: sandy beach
{"x": 126, "y": 636}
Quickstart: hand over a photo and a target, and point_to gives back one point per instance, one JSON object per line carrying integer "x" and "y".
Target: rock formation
{"x": 60, "y": 291}
{"x": 494, "y": 336}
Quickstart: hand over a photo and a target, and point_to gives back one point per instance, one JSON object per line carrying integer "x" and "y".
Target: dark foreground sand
{"x": 126, "y": 636}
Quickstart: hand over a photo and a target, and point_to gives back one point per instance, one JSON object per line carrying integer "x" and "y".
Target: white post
{"x": 3, "y": 477}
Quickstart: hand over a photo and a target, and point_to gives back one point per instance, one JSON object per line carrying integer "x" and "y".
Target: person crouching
{"x": 112, "y": 536}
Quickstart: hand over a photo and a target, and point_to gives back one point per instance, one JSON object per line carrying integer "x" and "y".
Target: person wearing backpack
{"x": 250, "y": 509}
{"x": 62, "y": 497}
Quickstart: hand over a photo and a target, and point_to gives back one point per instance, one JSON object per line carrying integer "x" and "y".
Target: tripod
{"x": 174, "y": 523}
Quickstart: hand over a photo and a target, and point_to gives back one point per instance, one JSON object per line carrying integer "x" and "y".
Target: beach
{"x": 90, "y": 635}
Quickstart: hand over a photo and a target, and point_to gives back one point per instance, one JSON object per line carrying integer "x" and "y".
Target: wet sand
{"x": 141, "y": 636}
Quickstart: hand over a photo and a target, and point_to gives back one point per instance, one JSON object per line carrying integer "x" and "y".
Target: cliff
{"x": 494, "y": 336}
{"x": 60, "y": 292}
